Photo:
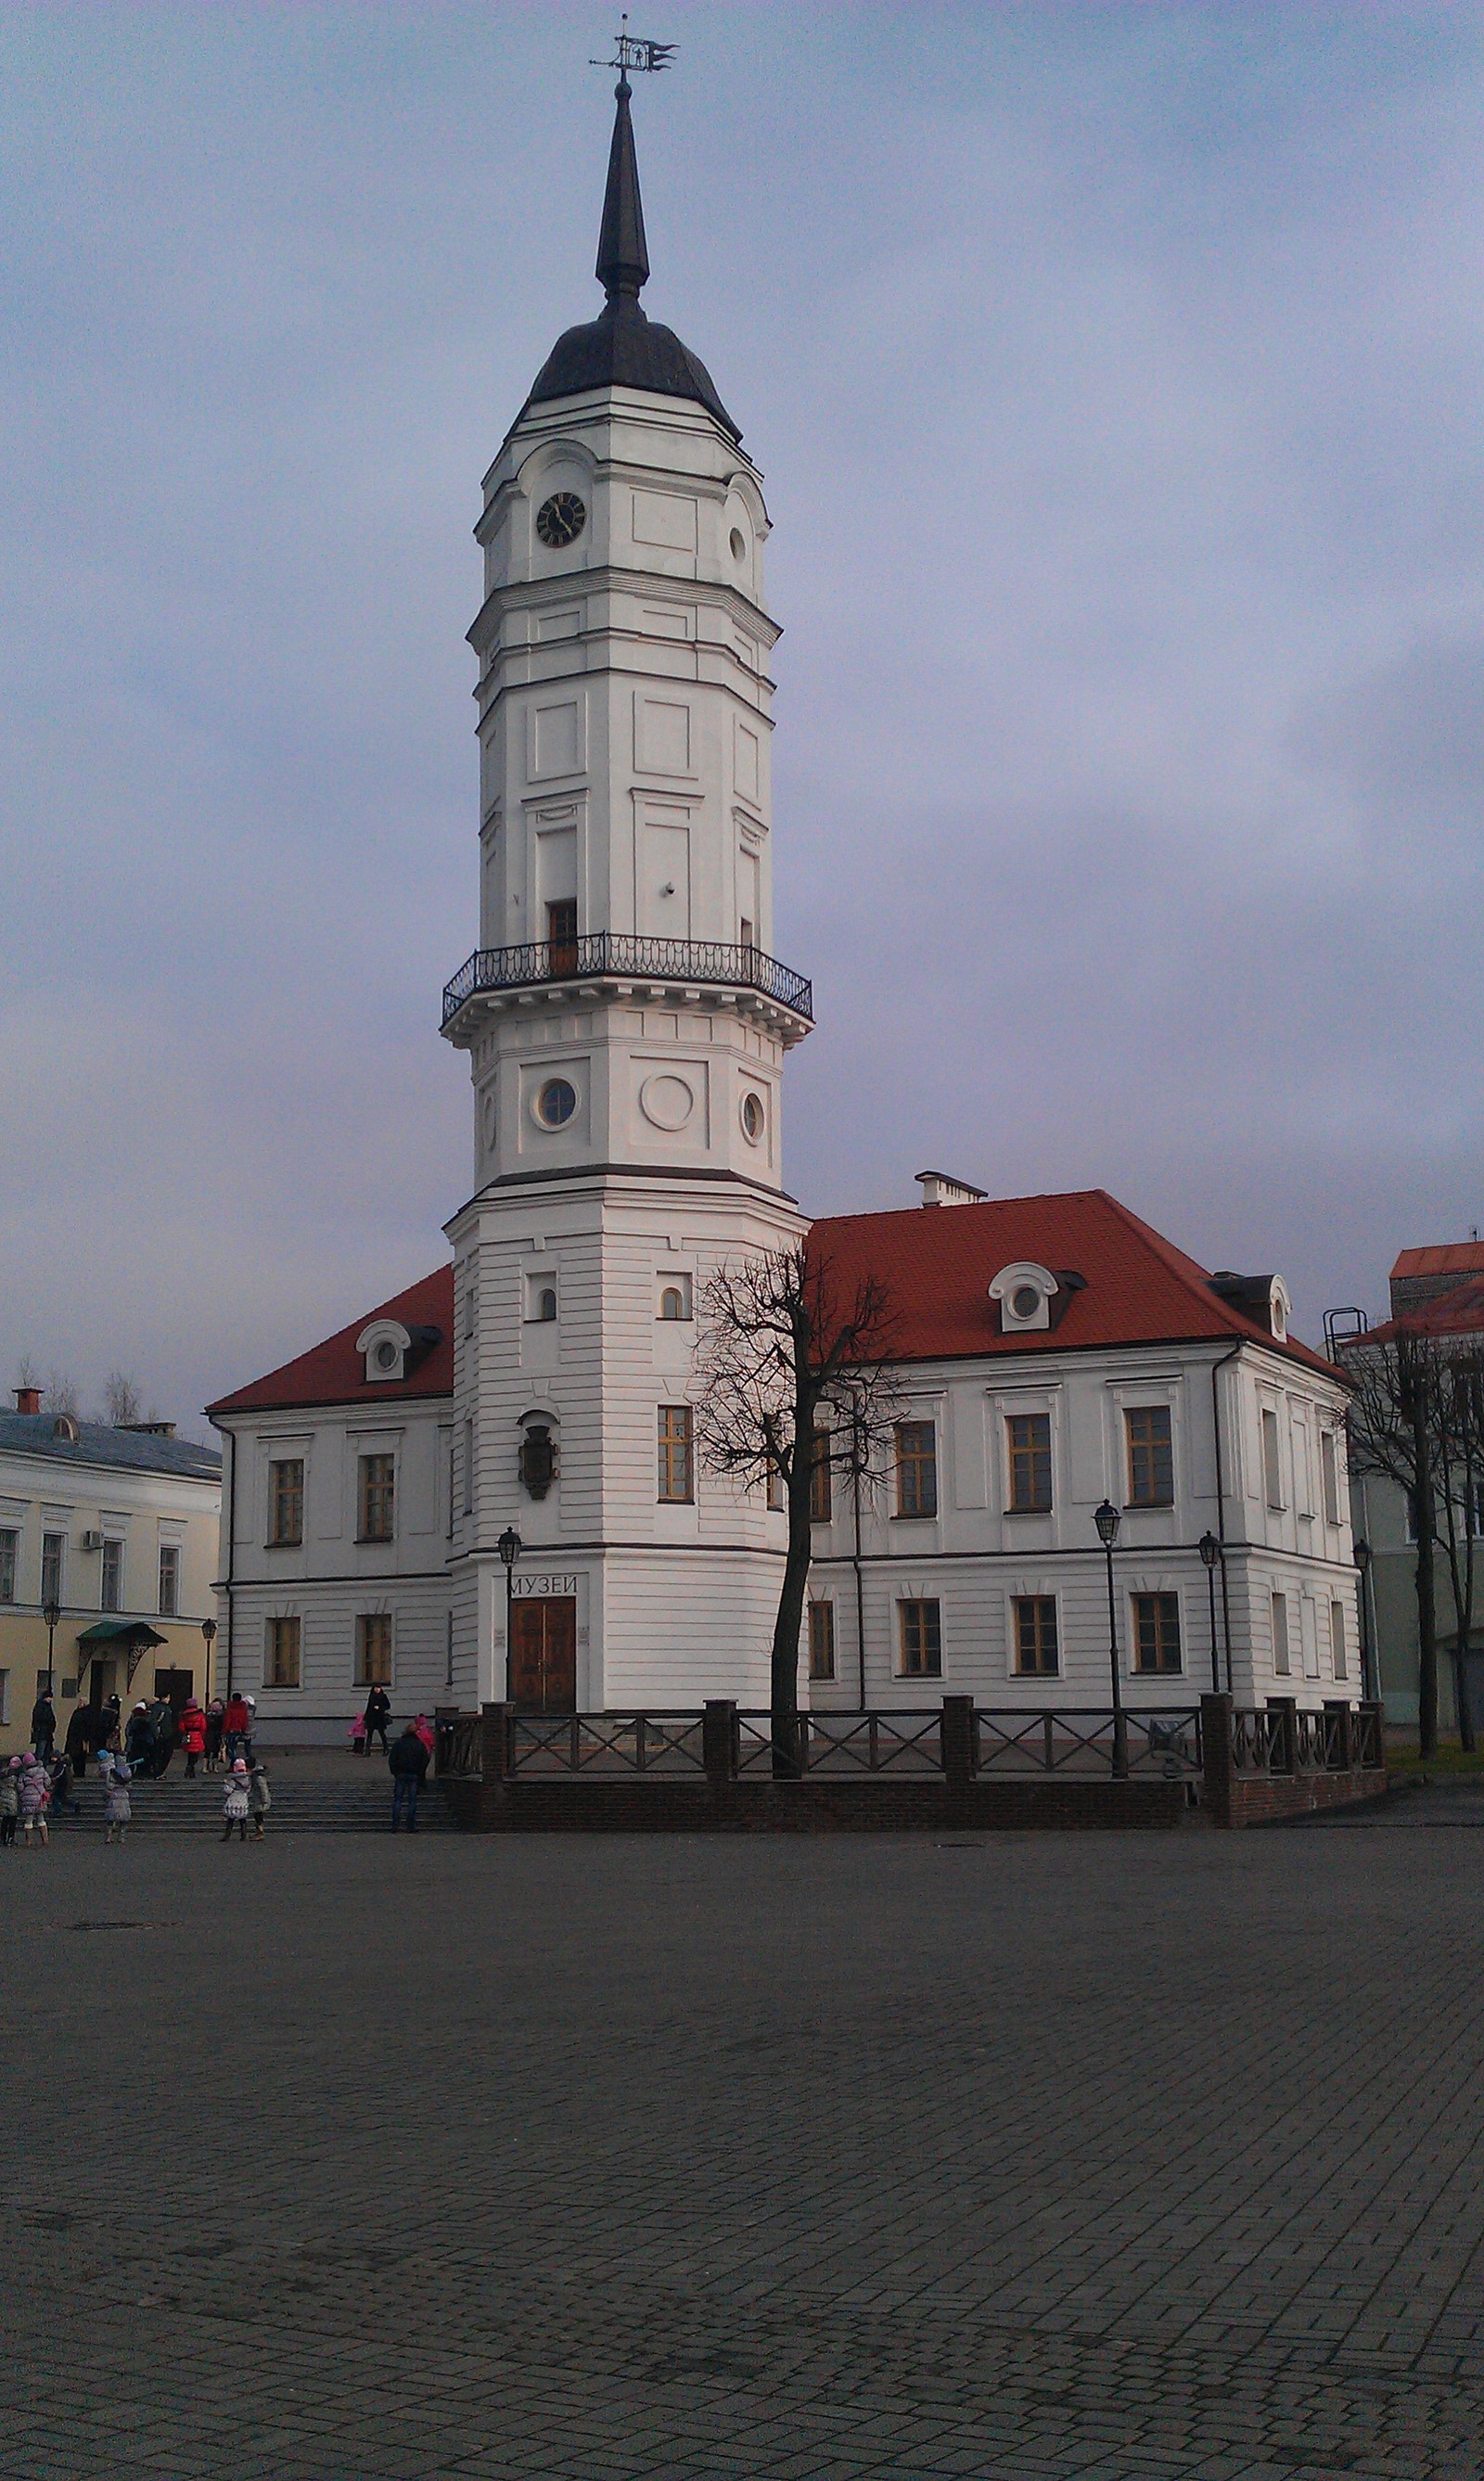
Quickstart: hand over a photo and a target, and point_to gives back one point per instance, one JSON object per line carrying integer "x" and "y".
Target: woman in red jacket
{"x": 236, "y": 1725}
{"x": 193, "y": 1732}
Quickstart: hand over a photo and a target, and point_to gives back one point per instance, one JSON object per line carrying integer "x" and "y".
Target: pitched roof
{"x": 937, "y": 1263}
{"x": 1458, "y": 1312}
{"x": 332, "y": 1372}
{"x": 1449, "y": 1258}
{"x": 97, "y": 1443}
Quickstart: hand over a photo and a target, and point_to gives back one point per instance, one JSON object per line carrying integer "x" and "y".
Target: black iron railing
{"x": 708, "y": 962}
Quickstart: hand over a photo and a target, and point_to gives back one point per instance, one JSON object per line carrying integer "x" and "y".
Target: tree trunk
{"x": 787, "y": 1755}
{"x": 1427, "y": 1573}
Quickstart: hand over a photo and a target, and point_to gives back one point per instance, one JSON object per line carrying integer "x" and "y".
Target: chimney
{"x": 28, "y": 1399}
{"x": 941, "y": 1188}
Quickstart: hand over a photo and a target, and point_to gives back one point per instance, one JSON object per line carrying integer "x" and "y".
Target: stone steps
{"x": 301, "y": 1806}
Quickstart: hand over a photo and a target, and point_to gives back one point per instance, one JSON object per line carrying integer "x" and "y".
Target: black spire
{"x": 623, "y": 261}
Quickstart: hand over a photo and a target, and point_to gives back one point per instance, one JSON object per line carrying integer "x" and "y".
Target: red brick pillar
{"x": 960, "y": 1736}
{"x": 719, "y": 1742}
{"x": 495, "y": 1743}
{"x": 1217, "y": 1766}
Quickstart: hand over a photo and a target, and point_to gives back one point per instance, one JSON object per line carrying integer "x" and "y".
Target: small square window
{"x": 1036, "y": 1653}
{"x": 921, "y": 1650}
{"x": 673, "y": 1304}
{"x": 540, "y": 1300}
{"x": 822, "y": 1640}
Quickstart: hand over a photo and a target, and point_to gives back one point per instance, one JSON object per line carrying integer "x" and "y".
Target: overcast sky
{"x": 1115, "y": 373}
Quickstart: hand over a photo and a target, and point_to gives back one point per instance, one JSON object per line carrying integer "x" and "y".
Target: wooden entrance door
{"x": 543, "y": 1655}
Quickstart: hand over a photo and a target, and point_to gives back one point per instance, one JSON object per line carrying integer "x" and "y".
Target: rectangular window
{"x": 1029, "y": 1437}
{"x": 822, "y": 1640}
{"x": 821, "y": 1496}
{"x": 921, "y": 1656}
{"x": 1157, "y": 1631}
{"x": 1329, "y": 1476}
{"x": 53, "y": 1548}
{"x": 284, "y": 1654}
{"x": 562, "y": 931}
{"x": 471, "y": 1313}
{"x": 1336, "y": 1640}
{"x": 378, "y": 1499}
{"x": 1151, "y": 1457}
{"x": 468, "y": 1468}
{"x": 374, "y": 1649}
{"x": 1272, "y": 1478}
{"x": 676, "y": 1478}
{"x": 170, "y": 1581}
{"x": 1035, "y": 1635}
{"x": 917, "y": 1471}
{"x": 774, "y": 1493}
{"x": 1281, "y": 1636}
{"x": 285, "y": 1502}
{"x": 110, "y": 1595}
{"x": 5, "y": 1696}
{"x": 9, "y": 1544}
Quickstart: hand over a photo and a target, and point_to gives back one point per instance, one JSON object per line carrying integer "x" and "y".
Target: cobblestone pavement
{"x": 1076, "y": 2157}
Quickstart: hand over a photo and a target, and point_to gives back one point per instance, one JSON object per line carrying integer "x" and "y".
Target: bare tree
{"x": 122, "y": 1399}
{"x": 793, "y": 1370}
{"x": 1394, "y": 1421}
{"x": 61, "y": 1396}
{"x": 1458, "y": 1444}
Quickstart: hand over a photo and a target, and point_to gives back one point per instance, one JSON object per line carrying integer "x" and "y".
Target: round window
{"x": 1025, "y": 1301}
{"x": 556, "y": 1103}
{"x": 386, "y": 1354}
{"x": 752, "y": 1117}
{"x": 738, "y": 543}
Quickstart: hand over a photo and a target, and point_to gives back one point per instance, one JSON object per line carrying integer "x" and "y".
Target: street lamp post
{"x": 1211, "y": 1557}
{"x": 209, "y": 1636}
{"x": 1362, "y": 1555}
{"x": 51, "y": 1613}
{"x": 1107, "y": 1520}
{"x": 509, "y": 1547}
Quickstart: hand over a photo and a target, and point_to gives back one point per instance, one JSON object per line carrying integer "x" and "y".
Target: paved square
{"x": 1079, "y": 2158}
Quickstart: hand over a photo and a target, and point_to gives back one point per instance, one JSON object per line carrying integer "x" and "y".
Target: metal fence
{"x": 708, "y": 963}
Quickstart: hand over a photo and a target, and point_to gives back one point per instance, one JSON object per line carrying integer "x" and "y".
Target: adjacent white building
{"x": 627, "y": 1027}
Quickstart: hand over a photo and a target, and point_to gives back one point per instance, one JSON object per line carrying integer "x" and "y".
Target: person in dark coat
{"x": 139, "y": 1738}
{"x": 162, "y": 1722}
{"x": 378, "y": 1713}
{"x": 109, "y": 1720}
{"x": 408, "y": 1763}
{"x": 43, "y": 1725}
{"x": 79, "y": 1740}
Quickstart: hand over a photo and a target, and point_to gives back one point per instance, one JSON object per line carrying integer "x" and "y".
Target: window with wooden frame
{"x": 561, "y": 932}
{"x": 1037, "y": 1655}
{"x": 677, "y": 1462}
{"x": 1029, "y": 1446}
{"x": 167, "y": 1602}
{"x": 1272, "y": 1474}
{"x": 378, "y": 1499}
{"x": 821, "y": 1494}
{"x": 1156, "y": 1633}
{"x": 374, "y": 1649}
{"x": 919, "y": 1642}
{"x": 1282, "y": 1659}
{"x": 1150, "y": 1455}
{"x": 1336, "y": 1640}
{"x": 285, "y": 1502}
{"x": 53, "y": 1552}
{"x": 822, "y": 1640}
{"x": 111, "y": 1594}
{"x": 9, "y": 1544}
{"x": 916, "y": 1468}
{"x": 1329, "y": 1476}
{"x": 283, "y": 1641}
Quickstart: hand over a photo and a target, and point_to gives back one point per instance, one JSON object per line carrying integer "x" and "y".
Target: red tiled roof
{"x": 332, "y": 1372}
{"x": 1449, "y": 1258}
{"x": 937, "y": 1263}
{"x": 1459, "y": 1312}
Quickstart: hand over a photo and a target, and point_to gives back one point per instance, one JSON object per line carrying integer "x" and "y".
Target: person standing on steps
{"x": 234, "y": 1808}
{"x": 378, "y": 1714}
{"x": 79, "y": 1740}
{"x": 192, "y": 1735}
{"x": 214, "y": 1714}
{"x": 408, "y": 1763}
{"x": 260, "y": 1799}
{"x": 9, "y": 1800}
{"x": 43, "y": 1725}
{"x": 36, "y": 1792}
{"x": 236, "y": 1724}
{"x": 116, "y": 1795}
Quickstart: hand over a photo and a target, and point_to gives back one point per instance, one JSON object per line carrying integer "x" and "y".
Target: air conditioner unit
{"x": 92, "y": 1542}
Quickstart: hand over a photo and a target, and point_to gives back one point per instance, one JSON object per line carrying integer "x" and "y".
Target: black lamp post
{"x": 1107, "y": 1520}
{"x": 509, "y": 1547}
{"x": 1211, "y": 1557}
{"x": 51, "y": 1613}
{"x": 1362, "y": 1556}
{"x": 209, "y": 1636}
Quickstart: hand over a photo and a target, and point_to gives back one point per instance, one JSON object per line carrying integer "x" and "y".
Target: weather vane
{"x": 631, "y": 52}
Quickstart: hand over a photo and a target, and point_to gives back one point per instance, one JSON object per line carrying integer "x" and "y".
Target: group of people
{"x": 221, "y": 1734}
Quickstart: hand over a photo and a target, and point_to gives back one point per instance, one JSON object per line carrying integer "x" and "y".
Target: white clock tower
{"x": 625, "y": 1019}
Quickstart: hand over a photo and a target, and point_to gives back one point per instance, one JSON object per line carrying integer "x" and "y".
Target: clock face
{"x": 560, "y": 519}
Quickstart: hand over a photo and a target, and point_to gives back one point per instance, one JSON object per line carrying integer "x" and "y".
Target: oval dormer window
{"x": 386, "y": 1355}
{"x": 1025, "y": 1300}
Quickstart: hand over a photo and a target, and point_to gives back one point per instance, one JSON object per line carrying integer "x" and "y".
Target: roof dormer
{"x": 390, "y": 1351}
{"x": 1265, "y": 1299}
{"x": 1025, "y": 1293}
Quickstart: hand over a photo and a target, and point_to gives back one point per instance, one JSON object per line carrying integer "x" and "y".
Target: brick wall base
{"x": 877, "y": 1805}
{"x": 1254, "y": 1801}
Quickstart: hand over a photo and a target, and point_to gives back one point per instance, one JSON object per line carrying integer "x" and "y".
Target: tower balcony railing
{"x": 608, "y": 953}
